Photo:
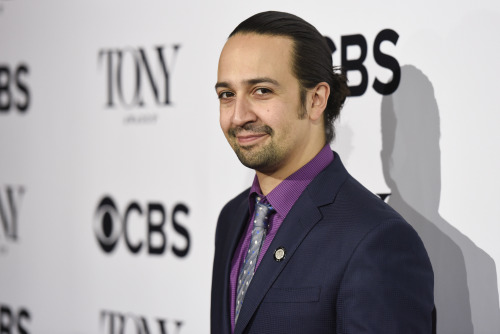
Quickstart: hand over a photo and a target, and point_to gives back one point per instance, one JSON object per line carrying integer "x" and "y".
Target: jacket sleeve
{"x": 387, "y": 286}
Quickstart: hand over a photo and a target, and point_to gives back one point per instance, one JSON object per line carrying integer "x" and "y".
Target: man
{"x": 306, "y": 249}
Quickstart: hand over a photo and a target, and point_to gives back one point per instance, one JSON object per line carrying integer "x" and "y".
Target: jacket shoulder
{"x": 364, "y": 204}
{"x": 227, "y": 214}
{"x": 234, "y": 203}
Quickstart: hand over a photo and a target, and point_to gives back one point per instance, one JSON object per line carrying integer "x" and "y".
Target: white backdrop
{"x": 80, "y": 121}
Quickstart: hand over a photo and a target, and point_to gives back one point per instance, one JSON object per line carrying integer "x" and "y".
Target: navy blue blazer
{"x": 352, "y": 265}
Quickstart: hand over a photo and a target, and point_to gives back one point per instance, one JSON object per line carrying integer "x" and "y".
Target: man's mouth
{"x": 246, "y": 139}
{"x": 250, "y": 134}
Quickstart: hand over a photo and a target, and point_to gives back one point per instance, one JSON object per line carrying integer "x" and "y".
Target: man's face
{"x": 260, "y": 103}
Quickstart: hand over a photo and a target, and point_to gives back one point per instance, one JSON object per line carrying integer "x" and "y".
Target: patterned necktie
{"x": 262, "y": 213}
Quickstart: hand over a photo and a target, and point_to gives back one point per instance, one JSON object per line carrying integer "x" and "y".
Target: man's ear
{"x": 319, "y": 99}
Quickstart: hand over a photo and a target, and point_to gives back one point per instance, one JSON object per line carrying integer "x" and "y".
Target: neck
{"x": 270, "y": 180}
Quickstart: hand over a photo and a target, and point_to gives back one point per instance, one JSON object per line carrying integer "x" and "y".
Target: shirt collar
{"x": 284, "y": 196}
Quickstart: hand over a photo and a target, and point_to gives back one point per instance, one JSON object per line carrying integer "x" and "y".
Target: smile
{"x": 250, "y": 139}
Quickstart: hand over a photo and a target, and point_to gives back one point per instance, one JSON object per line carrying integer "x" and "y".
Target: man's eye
{"x": 225, "y": 95}
{"x": 262, "y": 91}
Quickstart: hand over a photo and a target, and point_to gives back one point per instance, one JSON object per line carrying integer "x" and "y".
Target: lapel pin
{"x": 279, "y": 254}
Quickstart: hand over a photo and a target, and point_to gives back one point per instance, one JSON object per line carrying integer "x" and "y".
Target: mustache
{"x": 251, "y": 127}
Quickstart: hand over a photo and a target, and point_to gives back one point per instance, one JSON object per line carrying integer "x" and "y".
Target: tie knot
{"x": 262, "y": 213}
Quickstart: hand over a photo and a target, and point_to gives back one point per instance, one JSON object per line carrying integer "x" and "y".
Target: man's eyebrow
{"x": 249, "y": 82}
{"x": 262, "y": 80}
{"x": 221, "y": 84}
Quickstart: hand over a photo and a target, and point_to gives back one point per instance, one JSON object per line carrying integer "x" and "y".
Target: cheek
{"x": 276, "y": 118}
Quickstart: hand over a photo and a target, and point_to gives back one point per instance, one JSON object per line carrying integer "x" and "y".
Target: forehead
{"x": 246, "y": 56}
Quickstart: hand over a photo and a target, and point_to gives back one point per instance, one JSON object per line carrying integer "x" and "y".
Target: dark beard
{"x": 263, "y": 159}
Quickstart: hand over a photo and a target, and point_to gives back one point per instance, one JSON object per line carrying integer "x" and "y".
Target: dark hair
{"x": 312, "y": 58}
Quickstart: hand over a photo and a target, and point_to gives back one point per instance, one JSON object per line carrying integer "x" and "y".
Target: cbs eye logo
{"x": 107, "y": 224}
{"x": 110, "y": 227}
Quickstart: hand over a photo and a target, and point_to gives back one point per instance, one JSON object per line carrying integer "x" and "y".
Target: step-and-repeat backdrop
{"x": 113, "y": 168}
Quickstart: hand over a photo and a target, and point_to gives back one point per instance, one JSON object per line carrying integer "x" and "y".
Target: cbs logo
{"x": 141, "y": 227}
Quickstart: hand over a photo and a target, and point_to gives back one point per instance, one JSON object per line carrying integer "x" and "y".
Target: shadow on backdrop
{"x": 465, "y": 281}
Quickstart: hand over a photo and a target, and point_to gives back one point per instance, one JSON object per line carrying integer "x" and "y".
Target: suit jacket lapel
{"x": 236, "y": 229}
{"x": 299, "y": 221}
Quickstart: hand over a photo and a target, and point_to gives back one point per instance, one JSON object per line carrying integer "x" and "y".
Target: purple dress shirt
{"x": 282, "y": 198}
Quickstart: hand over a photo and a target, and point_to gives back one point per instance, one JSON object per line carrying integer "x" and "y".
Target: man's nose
{"x": 243, "y": 112}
